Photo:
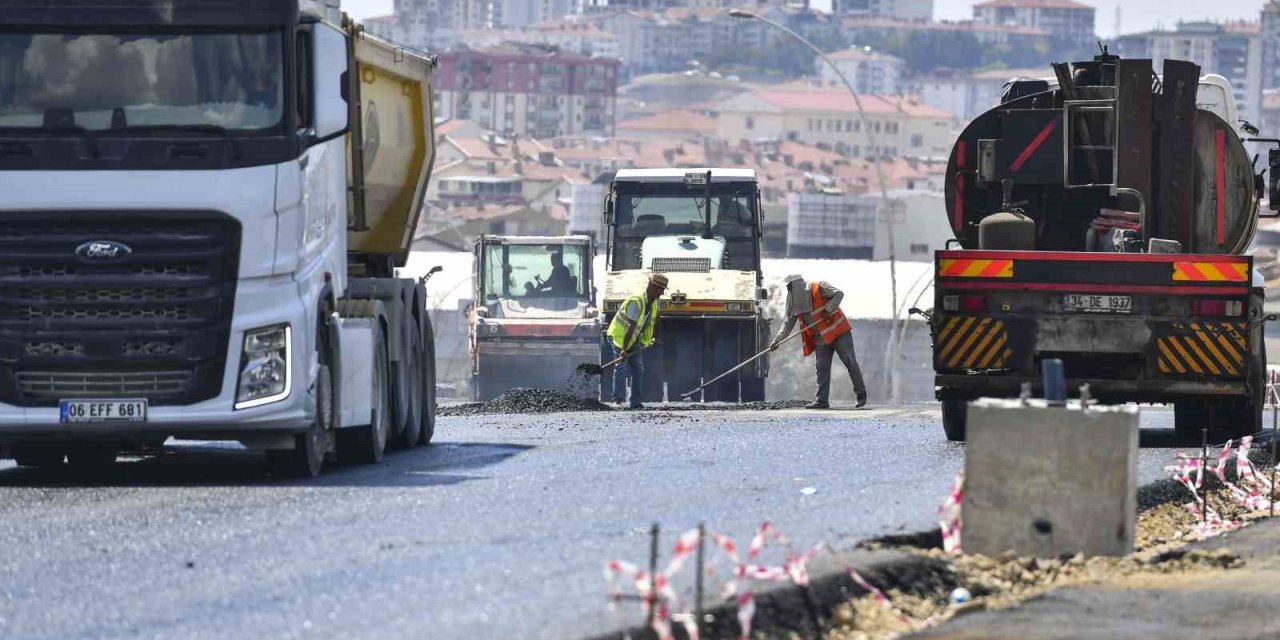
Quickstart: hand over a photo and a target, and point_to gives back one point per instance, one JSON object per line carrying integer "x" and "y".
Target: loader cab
{"x": 519, "y": 276}
{"x": 660, "y": 220}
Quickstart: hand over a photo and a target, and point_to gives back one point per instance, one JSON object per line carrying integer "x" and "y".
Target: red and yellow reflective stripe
{"x": 1210, "y": 272}
{"x": 963, "y": 268}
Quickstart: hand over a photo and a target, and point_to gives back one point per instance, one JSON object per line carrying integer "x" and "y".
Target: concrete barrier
{"x": 1050, "y": 481}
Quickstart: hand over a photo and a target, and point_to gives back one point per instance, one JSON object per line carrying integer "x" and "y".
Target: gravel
{"x": 527, "y": 401}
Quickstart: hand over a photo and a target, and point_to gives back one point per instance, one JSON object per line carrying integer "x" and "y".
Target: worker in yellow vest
{"x": 817, "y": 305}
{"x": 633, "y": 327}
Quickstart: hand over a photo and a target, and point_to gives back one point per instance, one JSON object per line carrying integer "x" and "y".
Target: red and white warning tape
{"x": 949, "y": 516}
{"x": 737, "y": 589}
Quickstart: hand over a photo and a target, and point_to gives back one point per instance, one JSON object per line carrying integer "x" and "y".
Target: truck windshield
{"x": 644, "y": 210}
{"x": 536, "y": 271}
{"x": 105, "y": 81}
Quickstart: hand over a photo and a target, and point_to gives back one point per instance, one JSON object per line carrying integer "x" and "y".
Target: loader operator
{"x": 634, "y": 327}
{"x": 817, "y": 305}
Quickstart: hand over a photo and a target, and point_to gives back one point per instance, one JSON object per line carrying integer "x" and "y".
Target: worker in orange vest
{"x": 817, "y": 305}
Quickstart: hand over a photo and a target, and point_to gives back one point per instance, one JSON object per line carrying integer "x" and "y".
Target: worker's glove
{"x": 774, "y": 345}
{"x": 623, "y": 354}
{"x": 830, "y": 307}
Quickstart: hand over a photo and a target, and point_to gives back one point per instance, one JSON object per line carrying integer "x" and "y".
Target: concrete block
{"x": 1050, "y": 481}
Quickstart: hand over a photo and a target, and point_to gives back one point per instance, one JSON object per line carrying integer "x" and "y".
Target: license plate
{"x": 1090, "y": 303}
{"x": 73, "y": 411}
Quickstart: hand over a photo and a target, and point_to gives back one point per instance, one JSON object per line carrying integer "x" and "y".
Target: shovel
{"x": 747, "y": 361}
{"x": 588, "y": 368}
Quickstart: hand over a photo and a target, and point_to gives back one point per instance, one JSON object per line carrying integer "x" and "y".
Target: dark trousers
{"x": 633, "y": 368}
{"x": 842, "y": 346}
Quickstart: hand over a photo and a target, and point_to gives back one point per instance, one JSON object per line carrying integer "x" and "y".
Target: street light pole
{"x": 885, "y": 204}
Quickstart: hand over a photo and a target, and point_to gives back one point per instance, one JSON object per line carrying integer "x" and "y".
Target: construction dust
{"x": 925, "y": 599}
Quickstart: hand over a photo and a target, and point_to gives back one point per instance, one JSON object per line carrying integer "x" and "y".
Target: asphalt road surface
{"x": 497, "y": 531}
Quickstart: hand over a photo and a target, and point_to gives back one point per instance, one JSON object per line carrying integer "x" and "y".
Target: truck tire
{"x": 428, "y": 413}
{"x": 306, "y": 458}
{"x": 954, "y": 418}
{"x": 367, "y": 444}
{"x": 411, "y": 430}
{"x": 38, "y": 456}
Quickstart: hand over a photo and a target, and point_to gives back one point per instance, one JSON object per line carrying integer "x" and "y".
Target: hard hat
{"x": 659, "y": 280}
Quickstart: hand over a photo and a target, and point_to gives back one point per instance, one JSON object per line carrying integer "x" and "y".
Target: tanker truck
{"x": 1103, "y": 218}
{"x": 205, "y": 207}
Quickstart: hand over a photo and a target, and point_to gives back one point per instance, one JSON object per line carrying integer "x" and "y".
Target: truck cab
{"x": 702, "y": 229}
{"x": 533, "y": 321}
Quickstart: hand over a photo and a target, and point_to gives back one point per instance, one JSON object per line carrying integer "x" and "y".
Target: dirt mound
{"x": 527, "y": 401}
{"x": 1005, "y": 581}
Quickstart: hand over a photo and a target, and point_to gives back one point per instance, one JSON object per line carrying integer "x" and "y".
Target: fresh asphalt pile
{"x": 526, "y": 401}
{"x": 548, "y": 401}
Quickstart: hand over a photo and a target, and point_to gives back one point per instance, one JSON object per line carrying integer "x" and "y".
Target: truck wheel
{"x": 429, "y": 386}
{"x": 954, "y": 417}
{"x": 39, "y": 456}
{"x": 412, "y": 428}
{"x": 306, "y": 458}
{"x": 91, "y": 457}
{"x": 365, "y": 445}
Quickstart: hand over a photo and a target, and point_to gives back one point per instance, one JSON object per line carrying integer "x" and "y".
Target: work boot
{"x": 862, "y": 402}
{"x": 817, "y": 404}
{"x": 636, "y": 405}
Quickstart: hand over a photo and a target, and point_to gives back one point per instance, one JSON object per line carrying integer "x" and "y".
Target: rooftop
{"x": 677, "y": 175}
{"x": 805, "y": 97}
{"x": 677, "y": 120}
{"x": 861, "y": 54}
{"x": 1032, "y": 4}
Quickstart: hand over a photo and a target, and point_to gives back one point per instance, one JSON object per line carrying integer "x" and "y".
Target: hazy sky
{"x": 1138, "y": 15}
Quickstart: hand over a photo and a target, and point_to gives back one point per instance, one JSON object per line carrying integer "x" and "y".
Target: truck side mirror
{"x": 608, "y": 212}
{"x": 329, "y": 76}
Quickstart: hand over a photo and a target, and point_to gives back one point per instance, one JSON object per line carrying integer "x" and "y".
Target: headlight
{"x": 265, "y": 370}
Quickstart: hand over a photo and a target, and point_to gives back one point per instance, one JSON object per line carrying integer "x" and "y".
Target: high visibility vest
{"x": 644, "y": 333}
{"x": 828, "y": 326}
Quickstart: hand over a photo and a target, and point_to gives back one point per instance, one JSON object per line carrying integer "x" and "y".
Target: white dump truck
{"x": 702, "y": 228}
{"x": 205, "y": 207}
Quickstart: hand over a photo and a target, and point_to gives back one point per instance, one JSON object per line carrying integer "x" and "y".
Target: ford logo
{"x": 103, "y": 251}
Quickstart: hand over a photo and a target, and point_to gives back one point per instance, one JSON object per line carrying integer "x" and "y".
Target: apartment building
{"x": 529, "y": 91}
{"x": 522, "y": 13}
{"x": 1065, "y": 19}
{"x": 868, "y": 71}
{"x": 913, "y": 10}
{"x": 1232, "y": 49}
{"x": 436, "y": 24}
{"x": 829, "y": 117}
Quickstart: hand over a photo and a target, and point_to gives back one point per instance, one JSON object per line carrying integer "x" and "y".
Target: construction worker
{"x": 817, "y": 305}
{"x": 634, "y": 327}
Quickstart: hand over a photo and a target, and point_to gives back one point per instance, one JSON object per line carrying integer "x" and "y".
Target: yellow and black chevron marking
{"x": 1204, "y": 348}
{"x": 972, "y": 343}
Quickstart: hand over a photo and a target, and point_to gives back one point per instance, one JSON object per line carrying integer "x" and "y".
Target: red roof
{"x": 804, "y": 98}
{"x": 676, "y": 120}
{"x": 1032, "y": 4}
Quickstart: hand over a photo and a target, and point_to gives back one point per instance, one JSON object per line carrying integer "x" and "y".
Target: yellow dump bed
{"x": 392, "y": 147}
